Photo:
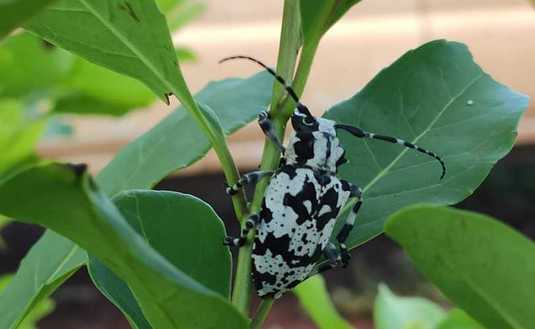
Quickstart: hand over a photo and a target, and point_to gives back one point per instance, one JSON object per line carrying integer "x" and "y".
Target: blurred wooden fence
{"x": 500, "y": 34}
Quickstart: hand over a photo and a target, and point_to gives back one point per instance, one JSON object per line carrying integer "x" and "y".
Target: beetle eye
{"x": 309, "y": 121}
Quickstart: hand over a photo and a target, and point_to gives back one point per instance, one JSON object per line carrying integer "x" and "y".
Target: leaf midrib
{"x": 386, "y": 169}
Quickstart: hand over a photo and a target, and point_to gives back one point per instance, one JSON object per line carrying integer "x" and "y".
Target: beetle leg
{"x": 356, "y": 192}
{"x": 269, "y": 130}
{"x": 250, "y": 178}
{"x": 250, "y": 223}
{"x": 333, "y": 257}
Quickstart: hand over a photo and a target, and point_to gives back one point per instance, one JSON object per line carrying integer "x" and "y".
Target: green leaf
{"x": 394, "y": 312}
{"x": 103, "y": 86}
{"x": 82, "y": 104}
{"x": 183, "y": 14}
{"x": 235, "y": 102}
{"x": 48, "y": 264}
{"x": 15, "y": 12}
{"x": 482, "y": 265}
{"x": 19, "y": 133}
{"x": 179, "y": 227}
{"x": 318, "y": 16}
{"x": 39, "y": 311}
{"x": 457, "y": 319}
{"x": 185, "y": 54}
{"x": 129, "y": 37}
{"x": 436, "y": 97}
{"x": 28, "y": 65}
{"x": 169, "y": 298}
{"x": 314, "y": 16}
{"x": 314, "y": 298}
{"x": 118, "y": 292}
{"x": 339, "y": 10}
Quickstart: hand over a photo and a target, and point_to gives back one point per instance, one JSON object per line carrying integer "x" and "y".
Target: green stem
{"x": 262, "y": 313}
{"x": 301, "y": 76}
{"x": 288, "y": 49}
{"x": 280, "y": 113}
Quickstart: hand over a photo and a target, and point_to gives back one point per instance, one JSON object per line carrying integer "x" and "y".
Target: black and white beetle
{"x": 302, "y": 200}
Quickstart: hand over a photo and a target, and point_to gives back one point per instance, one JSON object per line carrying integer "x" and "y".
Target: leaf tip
{"x": 77, "y": 168}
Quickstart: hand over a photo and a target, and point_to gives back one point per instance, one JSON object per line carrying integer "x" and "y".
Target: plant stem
{"x": 262, "y": 313}
{"x": 280, "y": 112}
{"x": 288, "y": 50}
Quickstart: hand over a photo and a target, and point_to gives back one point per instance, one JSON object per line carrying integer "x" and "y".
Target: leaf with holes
{"x": 437, "y": 97}
{"x": 482, "y": 265}
{"x": 130, "y": 37}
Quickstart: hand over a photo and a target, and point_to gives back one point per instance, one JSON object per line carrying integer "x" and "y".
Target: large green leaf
{"x": 437, "y": 97}
{"x": 315, "y": 299}
{"x": 46, "y": 267}
{"x": 30, "y": 66}
{"x": 176, "y": 142}
{"x": 65, "y": 199}
{"x": 39, "y": 311}
{"x": 14, "y": 12}
{"x": 130, "y": 37}
{"x": 183, "y": 229}
{"x": 394, "y": 312}
{"x": 457, "y": 319}
{"x": 482, "y": 265}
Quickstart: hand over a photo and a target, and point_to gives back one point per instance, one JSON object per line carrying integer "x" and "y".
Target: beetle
{"x": 302, "y": 200}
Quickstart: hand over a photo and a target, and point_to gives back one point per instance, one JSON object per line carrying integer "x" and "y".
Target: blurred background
{"x": 499, "y": 33}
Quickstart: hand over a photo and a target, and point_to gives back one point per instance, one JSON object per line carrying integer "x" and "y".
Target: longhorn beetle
{"x": 302, "y": 200}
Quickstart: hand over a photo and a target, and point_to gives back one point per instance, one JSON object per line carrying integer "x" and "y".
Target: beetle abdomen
{"x": 298, "y": 214}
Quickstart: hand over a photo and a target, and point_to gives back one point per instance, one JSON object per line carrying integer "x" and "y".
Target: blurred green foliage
{"x": 38, "y": 311}
{"x": 40, "y": 83}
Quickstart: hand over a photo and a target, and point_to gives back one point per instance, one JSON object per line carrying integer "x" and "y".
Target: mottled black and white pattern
{"x": 319, "y": 149}
{"x": 296, "y": 221}
{"x": 302, "y": 200}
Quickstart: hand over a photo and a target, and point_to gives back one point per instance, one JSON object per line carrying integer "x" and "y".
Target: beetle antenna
{"x": 300, "y": 107}
{"x": 364, "y": 134}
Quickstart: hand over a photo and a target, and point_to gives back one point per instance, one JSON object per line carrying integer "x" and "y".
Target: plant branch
{"x": 301, "y": 76}
{"x": 262, "y": 313}
{"x": 288, "y": 49}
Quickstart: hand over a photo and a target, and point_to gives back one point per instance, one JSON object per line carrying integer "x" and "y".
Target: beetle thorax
{"x": 319, "y": 149}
